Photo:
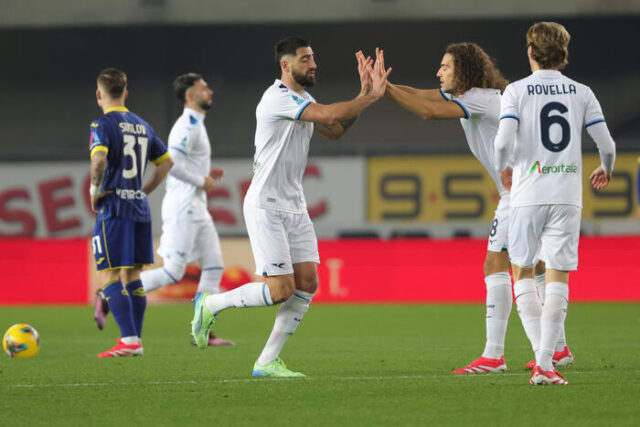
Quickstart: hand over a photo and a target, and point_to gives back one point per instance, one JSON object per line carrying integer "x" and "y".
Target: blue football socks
{"x": 138, "y": 303}
{"x": 120, "y": 305}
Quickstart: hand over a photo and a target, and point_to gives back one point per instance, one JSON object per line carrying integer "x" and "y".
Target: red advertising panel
{"x": 37, "y": 271}
{"x": 451, "y": 270}
{"x": 41, "y": 271}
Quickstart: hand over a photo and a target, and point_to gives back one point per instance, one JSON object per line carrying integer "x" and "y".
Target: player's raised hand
{"x": 599, "y": 178}
{"x": 364, "y": 70}
{"x": 209, "y": 183}
{"x": 379, "y": 75}
{"x": 506, "y": 178}
{"x": 216, "y": 173}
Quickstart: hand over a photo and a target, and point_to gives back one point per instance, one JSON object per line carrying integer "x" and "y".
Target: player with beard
{"x": 470, "y": 87}
{"x": 283, "y": 240}
{"x": 188, "y": 232}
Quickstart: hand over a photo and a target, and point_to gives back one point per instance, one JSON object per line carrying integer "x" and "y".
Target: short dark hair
{"x": 288, "y": 46}
{"x": 182, "y": 83}
{"x": 114, "y": 81}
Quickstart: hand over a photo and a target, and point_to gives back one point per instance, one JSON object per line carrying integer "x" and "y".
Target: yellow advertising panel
{"x": 446, "y": 188}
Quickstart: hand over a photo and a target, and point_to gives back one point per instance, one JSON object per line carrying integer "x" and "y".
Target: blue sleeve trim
{"x": 464, "y": 109}
{"x": 178, "y": 150}
{"x": 212, "y": 268}
{"x": 593, "y": 122}
{"x": 302, "y": 109}
{"x": 444, "y": 95}
{"x": 509, "y": 116}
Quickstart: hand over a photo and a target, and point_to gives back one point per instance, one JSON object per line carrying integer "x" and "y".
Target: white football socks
{"x": 553, "y": 315}
{"x": 155, "y": 278}
{"x": 499, "y": 302}
{"x": 540, "y": 286}
{"x": 254, "y": 294}
{"x": 210, "y": 280}
{"x": 529, "y": 309}
{"x": 287, "y": 320}
{"x": 540, "y": 282}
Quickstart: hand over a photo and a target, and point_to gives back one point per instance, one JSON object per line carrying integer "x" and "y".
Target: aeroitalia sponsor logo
{"x": 555, "y": 169}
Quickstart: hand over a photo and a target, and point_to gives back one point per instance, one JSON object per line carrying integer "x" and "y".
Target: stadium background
{"x": 393, "y": 185}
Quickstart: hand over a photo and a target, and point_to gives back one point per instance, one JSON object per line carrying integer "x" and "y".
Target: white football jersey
{"x": 282, "y": 146}
{"x": 551, "y": 110}
{"x": 482, "y": 109}
{"x": 190, "y": 147}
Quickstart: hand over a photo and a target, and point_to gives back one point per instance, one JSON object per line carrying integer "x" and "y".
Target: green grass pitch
{"x": 365, "y": 365}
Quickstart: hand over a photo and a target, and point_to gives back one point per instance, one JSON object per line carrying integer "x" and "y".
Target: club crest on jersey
{"x": 297, "y": 99}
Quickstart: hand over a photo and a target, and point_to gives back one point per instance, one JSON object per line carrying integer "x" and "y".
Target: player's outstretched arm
{"x": 334, "y": 119}
{"x": 159, "y": 173}
{"x": 426, "y": 107}
{"x": 427, "y": 94}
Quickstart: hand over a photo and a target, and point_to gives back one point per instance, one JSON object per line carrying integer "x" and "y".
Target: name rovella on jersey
{"x": 556, "y": 169}
{"x": 557, "y": 89}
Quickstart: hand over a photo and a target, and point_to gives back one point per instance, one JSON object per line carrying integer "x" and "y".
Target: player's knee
{"x": 308, "y": 283}
{"x": 175, "y": 270}
{"x": 496, "y": 262}
{"x": 281, "y": 288}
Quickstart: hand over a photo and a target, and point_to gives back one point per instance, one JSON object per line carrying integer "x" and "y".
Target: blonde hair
{"x": 549, "y": 42}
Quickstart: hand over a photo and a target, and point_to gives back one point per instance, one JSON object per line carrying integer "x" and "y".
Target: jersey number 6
{"x": 545, "y": 124}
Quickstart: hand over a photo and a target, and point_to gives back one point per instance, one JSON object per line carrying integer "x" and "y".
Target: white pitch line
{"x": 263, "y": 380}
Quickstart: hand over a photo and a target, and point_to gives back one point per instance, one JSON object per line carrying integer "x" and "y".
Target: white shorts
{"x": 499, "y": 232}
{"x": 550, "y": 230}
{"x": 280, "y": 239}
{"x": 189, "y": 241}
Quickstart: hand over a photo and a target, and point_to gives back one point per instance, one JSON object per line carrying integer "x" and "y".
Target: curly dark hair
{"x": 474, "y": 68}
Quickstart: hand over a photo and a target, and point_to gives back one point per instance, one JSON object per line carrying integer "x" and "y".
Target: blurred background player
{"x": 541, "y": 121}
{"x": 120, "y": 144}
{"x": 188, "y": 231}
{"x": 282, "y": 237}
{"x": 470, "y": 88}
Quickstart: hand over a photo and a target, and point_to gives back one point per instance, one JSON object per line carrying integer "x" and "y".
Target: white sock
{"x": 254, "y": 294}
{"x": 287, "y": 320}
{"x": 499, "y": 301}
{"x": 540, "y": 281}
{"x": 133, "y": 339}
{"x": 155, "y": 278}
{"x": 540, "y": 286}
{"x": 553, "y": 315}
{"x": 529, "y": 309}
{"x": 210, "y": 280}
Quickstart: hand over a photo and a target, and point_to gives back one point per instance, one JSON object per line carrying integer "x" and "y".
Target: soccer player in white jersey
{"x": 282, "y": 237}
{"x": 470, "y": 90}
{"x": 188, "y": 232}
{"x": 541, "y": 120}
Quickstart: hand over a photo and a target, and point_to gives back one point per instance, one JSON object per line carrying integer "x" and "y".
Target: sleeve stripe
{"x": 461, "y": 105}
{"x": 444, "y": 95}
{"x": 179, "y": 150}
{"x": 593, "y": 122}
{"x": 509, "y": 116}
{"x": 161, "y": 159}
{"x": 302, "y": 109}
{"x": 99, "y": 148}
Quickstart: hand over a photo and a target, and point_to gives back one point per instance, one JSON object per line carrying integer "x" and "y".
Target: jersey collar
{"x": 547, "y": 73}
{"x": 197, "y": 115}
{"x": 120, "y": 109}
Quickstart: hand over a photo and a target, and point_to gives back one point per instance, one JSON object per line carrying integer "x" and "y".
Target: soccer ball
{"x": 21, "y": 340}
